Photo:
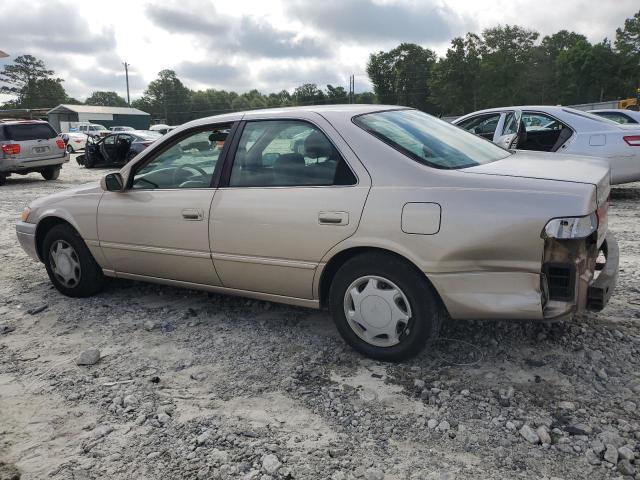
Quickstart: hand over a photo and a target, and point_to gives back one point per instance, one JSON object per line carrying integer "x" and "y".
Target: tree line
{"x": 504, "y": 65}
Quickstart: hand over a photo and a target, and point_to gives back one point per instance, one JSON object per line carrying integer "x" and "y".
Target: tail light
{"x": 60, "y": 143}
{"x": 11, "y": 148}
{"x": 632, "y": 140}
{"x": 602, "y": 210}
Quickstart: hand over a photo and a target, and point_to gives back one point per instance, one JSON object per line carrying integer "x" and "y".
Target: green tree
{"x": 627, "y": 43}
{"x": 402, "y": 76}
{"x": 24, "y": 70}
{"x": 336, "y": 95}
{"x": 308, "y": 94}
{"x": 366, "y": 98}
{"x": 46, "y": 92}
{"x": 167, "y": 97}
{"x": 455, "y": 78}
{"x": 507, "y": 53}
{"x": 30, "y": 81}
{"x": 106, "y": 99}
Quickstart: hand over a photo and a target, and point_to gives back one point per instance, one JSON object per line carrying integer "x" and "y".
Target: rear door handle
{"x": 192, "y": 214}
{"x": 333, "y": 218}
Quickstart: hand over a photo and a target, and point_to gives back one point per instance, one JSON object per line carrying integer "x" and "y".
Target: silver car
{"x": 30, "y": 146}
{"x": 391, "y": 218}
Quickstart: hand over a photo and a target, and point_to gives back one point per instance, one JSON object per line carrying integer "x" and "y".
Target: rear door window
{"x": 29, "y": 131}
{"x": 482, "y": 125}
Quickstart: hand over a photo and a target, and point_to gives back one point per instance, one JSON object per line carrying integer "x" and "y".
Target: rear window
{"x": 29, "y": 131}
{"x": 429, "y": 140}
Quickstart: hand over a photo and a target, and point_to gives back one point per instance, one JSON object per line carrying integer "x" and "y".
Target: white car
{"x": 563, "y": 130}
{"x": 618, "y": 115}
{"x": 77, "y": 141}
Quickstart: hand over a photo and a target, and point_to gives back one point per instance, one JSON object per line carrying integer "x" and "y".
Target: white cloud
{"x": 271, "y": 45}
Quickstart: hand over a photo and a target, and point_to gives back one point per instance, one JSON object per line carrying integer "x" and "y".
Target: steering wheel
{"x": 187, "y": 166}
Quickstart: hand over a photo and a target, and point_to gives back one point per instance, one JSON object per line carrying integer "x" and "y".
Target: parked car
{"x": 74, "y": 141}
{"x": 618, "y": 115}
{"x": 30, "y": 146}
{"x": 161, "y": 128}
{"x": 91, "y": 129}
{"x": 563, "y": 130}
{"x": 122, "y": 129}
{"x": 391, "y": 218}
{"x": 116, "y": 149}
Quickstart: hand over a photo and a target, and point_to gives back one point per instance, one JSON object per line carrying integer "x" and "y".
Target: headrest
{"x": 289, "y": 160}
{"x": 316, "y": 145}
{"x": 218, "y": 136}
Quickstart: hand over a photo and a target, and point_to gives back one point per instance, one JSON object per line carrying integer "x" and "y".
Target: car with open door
{"x": 561, "y": 130}
{"x": 392, "y": 219}
{"x": 115, "y": 149}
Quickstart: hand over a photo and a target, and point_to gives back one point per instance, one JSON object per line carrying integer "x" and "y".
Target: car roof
{"x": 21, "y": 122}
{"x": 336, "y": 110}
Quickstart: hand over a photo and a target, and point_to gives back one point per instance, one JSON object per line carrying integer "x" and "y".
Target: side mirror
{"x": 112, "y": 182}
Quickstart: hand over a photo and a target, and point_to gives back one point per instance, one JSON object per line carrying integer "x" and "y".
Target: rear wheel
{"x": 51, "y": 173}
{"x": 70, "y": 148}
{"x": 69, "y": 263}
{"x": 383, "y": 307}
{"x": 3, "y": 178}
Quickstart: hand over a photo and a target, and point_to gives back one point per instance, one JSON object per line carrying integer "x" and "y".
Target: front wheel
{"x": 51, "y": 173}
{"x": 383, "y": 307}
{"x": 69, "y": 263}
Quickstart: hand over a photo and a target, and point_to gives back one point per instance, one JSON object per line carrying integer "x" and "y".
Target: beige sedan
{"x": 391, "y": 218}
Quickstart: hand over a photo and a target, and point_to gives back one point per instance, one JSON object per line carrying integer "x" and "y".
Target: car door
{"x": 108, "y": 148}
{"x": 291, "y": 191}
{"x": 511, "y": 128}
{"x": 159, "y": 225}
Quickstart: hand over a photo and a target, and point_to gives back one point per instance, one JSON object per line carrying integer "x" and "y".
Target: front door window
{"x": 188, "y": 163}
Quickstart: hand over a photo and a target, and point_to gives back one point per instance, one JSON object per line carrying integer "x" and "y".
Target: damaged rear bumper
{"x": 601, "y": 289}
{"x": 573, "y": 281}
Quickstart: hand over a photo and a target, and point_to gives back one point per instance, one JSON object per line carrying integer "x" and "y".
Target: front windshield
{"x": 429, "y": 140}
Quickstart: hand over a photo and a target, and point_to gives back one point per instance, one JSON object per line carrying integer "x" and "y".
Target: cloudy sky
{"x": 270, "y": 44}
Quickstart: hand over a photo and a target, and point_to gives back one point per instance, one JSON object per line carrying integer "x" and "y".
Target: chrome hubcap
{"x": 65, "y": 263}
{"x": 377, "y": 311}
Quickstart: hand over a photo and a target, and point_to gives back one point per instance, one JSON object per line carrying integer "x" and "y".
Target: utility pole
{"x": 126, "y": 74}
{"x": 352, "y": 87}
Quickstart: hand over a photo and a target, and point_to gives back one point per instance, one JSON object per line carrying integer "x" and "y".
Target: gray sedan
{"x": 392, "y": 219}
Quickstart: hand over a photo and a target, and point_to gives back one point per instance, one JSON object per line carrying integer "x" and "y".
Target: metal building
{"x": 64, "y": 116}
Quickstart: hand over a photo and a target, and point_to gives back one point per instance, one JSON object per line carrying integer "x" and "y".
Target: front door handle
{"x": 333, "y": 218}
{"x": 192, "y": 214}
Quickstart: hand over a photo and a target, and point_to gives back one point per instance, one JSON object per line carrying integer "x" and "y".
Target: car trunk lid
{"x": 550, "y": 166}
{"x": 557, "y": 167}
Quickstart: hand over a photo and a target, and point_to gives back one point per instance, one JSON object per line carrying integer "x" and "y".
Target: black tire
{"x": 51, "y": 173}
{"x": 70, "y": 148}
{"x": 427, "y": 312}
{"x": 3, "y": 178}
{"x": 91, "y": 280}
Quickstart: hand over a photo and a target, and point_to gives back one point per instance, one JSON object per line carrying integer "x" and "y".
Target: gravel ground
{"x": 197, "y": 385}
